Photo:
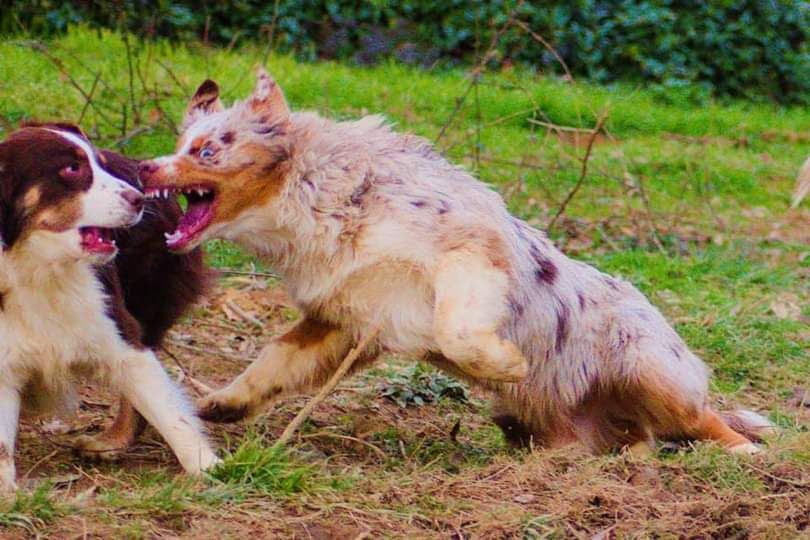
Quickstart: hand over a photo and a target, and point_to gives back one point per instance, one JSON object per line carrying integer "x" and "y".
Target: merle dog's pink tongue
{"x": 195, "y": 213}
{"x": 197, "y": 217}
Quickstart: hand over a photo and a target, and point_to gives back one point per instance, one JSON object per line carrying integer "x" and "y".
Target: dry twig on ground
{"x": 330, "y": 385}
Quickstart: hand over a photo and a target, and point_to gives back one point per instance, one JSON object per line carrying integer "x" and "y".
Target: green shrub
{"x": 752, "y": 48}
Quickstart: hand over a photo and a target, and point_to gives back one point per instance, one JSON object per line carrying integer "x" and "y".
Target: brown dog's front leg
{"x": 127, "y": 426}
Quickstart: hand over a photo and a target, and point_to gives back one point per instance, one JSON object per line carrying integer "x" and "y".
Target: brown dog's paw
{"x": 8, "y": 485}
{"x": 99, "y": 448}
{"x": 213, "y": 408}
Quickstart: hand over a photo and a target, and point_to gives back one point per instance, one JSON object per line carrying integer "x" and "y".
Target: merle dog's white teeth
{"x": 165, "y": 193}
{"x": 175, "y": 236}
{"x": 201, "y": 192}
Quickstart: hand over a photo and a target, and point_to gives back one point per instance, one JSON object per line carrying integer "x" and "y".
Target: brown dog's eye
{"x": 206, "y": 153}
{"x": 71, "y": 172}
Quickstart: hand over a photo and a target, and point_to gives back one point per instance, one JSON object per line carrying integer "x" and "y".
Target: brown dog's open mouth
{"x": 198, "y": 215}
{"x": 97, "y": 240}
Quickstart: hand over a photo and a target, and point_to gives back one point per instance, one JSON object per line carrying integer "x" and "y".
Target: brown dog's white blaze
{"x": 222, "y": 170}
{"x": 70, "y": 189}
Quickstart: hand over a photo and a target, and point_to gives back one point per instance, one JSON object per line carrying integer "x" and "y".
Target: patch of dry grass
{"x": 366, "y": 465}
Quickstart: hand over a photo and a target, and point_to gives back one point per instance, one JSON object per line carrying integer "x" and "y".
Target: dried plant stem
{"x": 330, "y": 385}
{"x": 583, "y": 170}
{"x": 478, "y": 69}
{"x": 537, "y": 37}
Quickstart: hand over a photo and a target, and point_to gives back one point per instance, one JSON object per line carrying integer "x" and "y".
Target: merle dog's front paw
{"x": 218, "y": 408}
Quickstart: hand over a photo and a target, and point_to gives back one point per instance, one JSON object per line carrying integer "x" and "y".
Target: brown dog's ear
{"x": 61, "y": 126}
{"x": 6, "y": 189}
{"x": 205, "y": 101}
{"x": 267, "y": 98}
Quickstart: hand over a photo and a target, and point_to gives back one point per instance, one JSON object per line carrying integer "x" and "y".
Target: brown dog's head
{"x": 227, "y": 161}
{"x": 58, "y": 195}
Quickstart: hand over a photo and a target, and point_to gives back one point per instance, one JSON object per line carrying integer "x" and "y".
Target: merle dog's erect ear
{"x": 267, "y": 98}
{"x": 204, "y": 101}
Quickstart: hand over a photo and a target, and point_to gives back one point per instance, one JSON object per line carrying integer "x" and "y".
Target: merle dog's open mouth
{"x": 198, "y": 215}
{"x": 97, "y": 240}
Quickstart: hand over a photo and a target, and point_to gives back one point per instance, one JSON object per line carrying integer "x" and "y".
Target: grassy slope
{"x": 728, "y": 263}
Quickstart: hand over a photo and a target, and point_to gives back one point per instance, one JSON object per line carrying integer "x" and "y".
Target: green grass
{"x": 714, "y": 178}
{"x": 709, "y": 463}
{"x": 31, "y": 511}
{"x": 256, "y": 466}
{"x": 717, "y": 296}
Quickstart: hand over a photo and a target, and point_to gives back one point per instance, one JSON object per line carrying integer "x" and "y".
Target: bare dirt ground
{"x": 380, "y": 470}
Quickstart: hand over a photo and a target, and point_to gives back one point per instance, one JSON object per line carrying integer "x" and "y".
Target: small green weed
{"x": 419, "y": 384}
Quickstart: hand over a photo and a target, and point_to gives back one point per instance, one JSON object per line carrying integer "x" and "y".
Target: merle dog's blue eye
{"x": 206, "y": 153}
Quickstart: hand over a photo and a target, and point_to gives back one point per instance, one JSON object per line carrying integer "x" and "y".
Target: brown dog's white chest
{"x": 53, "y": 321}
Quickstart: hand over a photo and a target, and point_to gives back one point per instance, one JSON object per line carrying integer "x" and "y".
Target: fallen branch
{"x": 802, "y": 185}
{"x": 557, "y": 127}
{"x": 199, "y": 386}
{"x": 367, "y": 444}
{"x": 247, "y": 317}
{"x": 330, "y": 385}
{"x": 60, "y": 66}
{"x": 788, "y": 481}
{"x": 205, "y": 352}
{"x": 583, "y": 171}
{"x": 247, "y": 273}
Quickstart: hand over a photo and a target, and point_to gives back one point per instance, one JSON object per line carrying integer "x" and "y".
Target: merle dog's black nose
{"x": 147, "y": 167}
{"x": 134, "y": 198}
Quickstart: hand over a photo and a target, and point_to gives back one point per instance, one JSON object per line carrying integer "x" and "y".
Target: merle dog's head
{"x": 60, "y": 196}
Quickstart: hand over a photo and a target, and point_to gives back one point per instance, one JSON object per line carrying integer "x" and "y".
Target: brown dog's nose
{"x": 134, "y": 198}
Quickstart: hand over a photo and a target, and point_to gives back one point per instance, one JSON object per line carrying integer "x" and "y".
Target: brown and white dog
{"x": 369, "y": 227}
{"x": 66, "y": 309}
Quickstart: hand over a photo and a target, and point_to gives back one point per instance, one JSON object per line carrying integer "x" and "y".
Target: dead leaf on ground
{"x": 801, "y": 397}
{"x": 786, "y": 307}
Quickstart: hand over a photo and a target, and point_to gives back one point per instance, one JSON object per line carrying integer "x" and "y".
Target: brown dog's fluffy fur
{"x": 86, "y": 289}
{"x": 370, "y": 227}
